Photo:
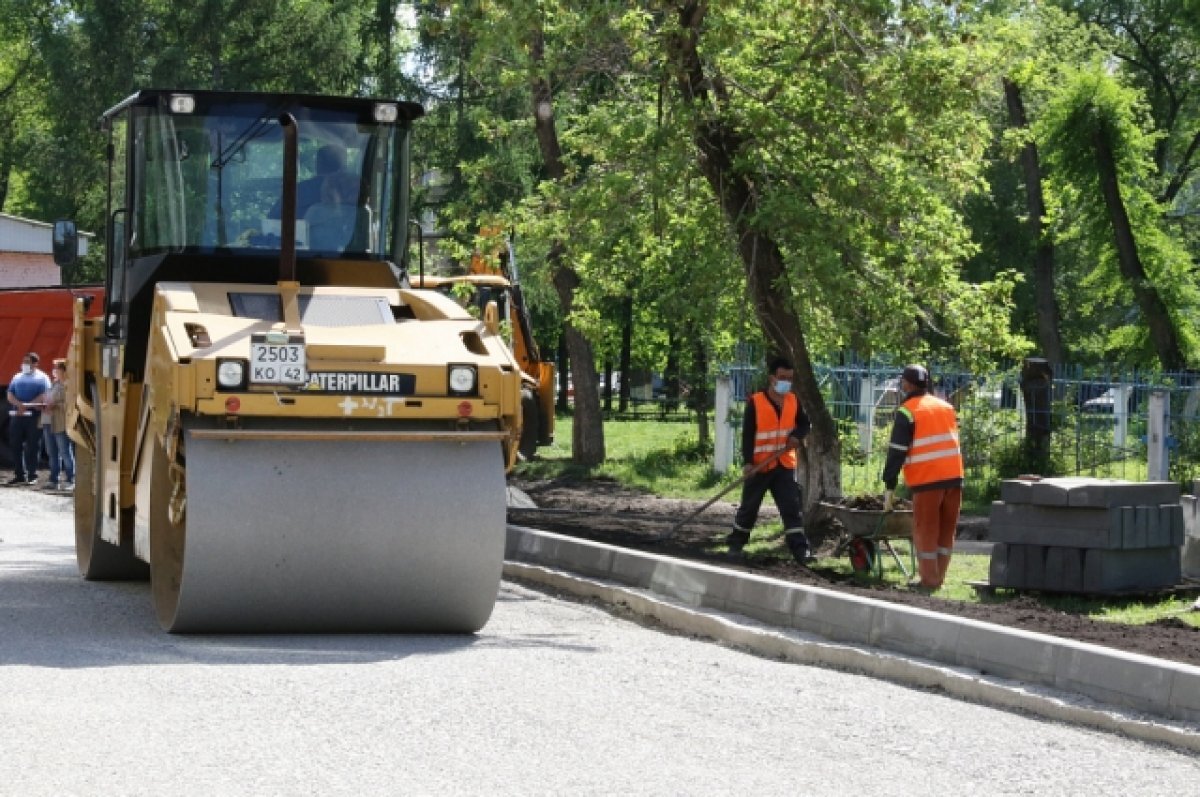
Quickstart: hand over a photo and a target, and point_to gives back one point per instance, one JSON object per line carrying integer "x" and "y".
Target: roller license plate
{"x": 274, "y": 363}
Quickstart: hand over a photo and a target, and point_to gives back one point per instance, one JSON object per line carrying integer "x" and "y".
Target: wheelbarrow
{"x": 868, "y": 530}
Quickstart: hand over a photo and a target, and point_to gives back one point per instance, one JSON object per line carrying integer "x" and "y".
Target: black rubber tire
{"x": 98, "y": 559}
{"x": 530, "y": 424}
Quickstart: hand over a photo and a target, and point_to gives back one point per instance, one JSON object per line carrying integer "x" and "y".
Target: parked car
{"x": 1106, "y": 402}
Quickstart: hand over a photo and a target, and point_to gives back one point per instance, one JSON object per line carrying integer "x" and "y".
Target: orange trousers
{"x": 935, "y": 519}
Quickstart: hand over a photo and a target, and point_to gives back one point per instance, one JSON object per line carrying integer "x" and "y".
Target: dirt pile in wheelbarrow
{"x": 606, "y": 511}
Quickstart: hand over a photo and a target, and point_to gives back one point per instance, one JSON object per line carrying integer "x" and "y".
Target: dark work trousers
{"x": 23, "y": 436}
{"x": 784, "y": 489}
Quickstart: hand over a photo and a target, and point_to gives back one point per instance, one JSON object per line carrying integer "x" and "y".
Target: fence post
{"x": 723, "y": 442}
{"x": 1156, "y": 436}
{"x": 866, "y": 414}
{"x": 1121, "y": 395}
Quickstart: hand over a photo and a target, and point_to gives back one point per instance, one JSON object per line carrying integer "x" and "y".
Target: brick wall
{"x": 27, "y": 270}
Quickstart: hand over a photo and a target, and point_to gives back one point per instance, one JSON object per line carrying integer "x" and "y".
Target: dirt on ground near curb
{"x": 606, "y": 511}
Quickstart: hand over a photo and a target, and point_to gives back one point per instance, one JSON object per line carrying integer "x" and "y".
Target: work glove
{"x": 889, "y": 498}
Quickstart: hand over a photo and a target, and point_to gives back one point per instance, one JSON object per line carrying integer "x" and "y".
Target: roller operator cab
{"x": 271, "y": 423}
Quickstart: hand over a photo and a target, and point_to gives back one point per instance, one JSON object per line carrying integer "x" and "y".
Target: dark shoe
{"x": 16, "y": 481}
{"x": 31, "y": 481}
{"x": 736, "y": 540}
{"x": 916, "y": 585}
{"x": 797, "y": 543}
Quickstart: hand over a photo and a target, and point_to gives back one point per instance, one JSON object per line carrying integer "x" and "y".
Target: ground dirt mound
{"x": 606, "y": 511}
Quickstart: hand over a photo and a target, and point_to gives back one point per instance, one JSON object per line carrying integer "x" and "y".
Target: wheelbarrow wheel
{"x": 862, "y": 554}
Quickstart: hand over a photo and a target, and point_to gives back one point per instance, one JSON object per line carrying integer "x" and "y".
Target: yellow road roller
{"x": 271, "y": 423}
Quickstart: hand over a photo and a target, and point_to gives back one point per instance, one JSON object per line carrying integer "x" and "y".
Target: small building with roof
{"x": 26, "y": 257}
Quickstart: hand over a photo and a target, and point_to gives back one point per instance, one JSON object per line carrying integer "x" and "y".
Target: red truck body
{"x": 36, "y": 319}
{"x": 39, "y": 319}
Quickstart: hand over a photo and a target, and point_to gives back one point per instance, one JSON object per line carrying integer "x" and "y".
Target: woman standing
{"x": 59, "y": 447}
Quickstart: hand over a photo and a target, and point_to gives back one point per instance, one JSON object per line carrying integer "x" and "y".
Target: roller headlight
{"x": 462, "y": 379}
{"x": 387, "y": 112}
{"x": 182, "y": 103}
{"x": 231, "y": 374}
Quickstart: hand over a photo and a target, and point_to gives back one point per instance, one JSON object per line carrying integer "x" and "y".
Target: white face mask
{"x": 783, "y": 386}
{"x": 26, "y": 368}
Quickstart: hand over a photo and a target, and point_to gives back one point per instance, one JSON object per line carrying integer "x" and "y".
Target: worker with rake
{"x": 772, "y": 428}
{"x": 924, "y": 443}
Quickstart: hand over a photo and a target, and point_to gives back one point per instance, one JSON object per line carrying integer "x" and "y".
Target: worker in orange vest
{"x": 772, "y": 428}
{"x": 924, "y": 443}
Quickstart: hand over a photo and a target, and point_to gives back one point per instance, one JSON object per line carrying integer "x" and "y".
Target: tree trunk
{"x": 626, "y": 365}
{"x": 699, "y": 397}
{"x": 608, "y": 380}
{"x": 587, "y": 429}
{"x": 1048, "y": 316}
{"x": 716, "y": 145}
{"x": 564, "y": 373}
{"x": 1163, "y": 334}
{"x": 671, "y": 374}
{"x": 5, "y": 171}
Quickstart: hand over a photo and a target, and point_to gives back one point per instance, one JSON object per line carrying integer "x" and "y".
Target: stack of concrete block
{"x": 1086, "y": 535}
{"x": 1191, "y": 532}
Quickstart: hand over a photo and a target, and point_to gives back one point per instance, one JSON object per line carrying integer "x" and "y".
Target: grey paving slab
{"x": 1035, "y": 566}
{"x": 1080, "y": 491}
{"x": 998, "y": 565}
{"x": 1174, "y": 524}
{"x": 1072, "y": 572}
{"x": 1115, "y": 492}
{"x": 1018, "y": 573}
{"x": 1032, "y": 524}
{"x": 1144, "y": 568}
{"x": 1054, "y": 566}
{"x": 1138, "y": 532}
{"x": 1190, "y": 517}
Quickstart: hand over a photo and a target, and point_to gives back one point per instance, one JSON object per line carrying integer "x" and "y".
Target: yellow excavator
{"x": 272, "y": 423}
{"x": 493, "y": 277}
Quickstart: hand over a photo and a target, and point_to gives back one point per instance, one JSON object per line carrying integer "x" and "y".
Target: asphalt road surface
{"x": 552, "y": 697}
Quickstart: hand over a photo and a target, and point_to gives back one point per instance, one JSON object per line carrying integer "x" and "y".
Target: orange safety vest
{"x": 934, "y": 455}
{"x": 772, "y": 430}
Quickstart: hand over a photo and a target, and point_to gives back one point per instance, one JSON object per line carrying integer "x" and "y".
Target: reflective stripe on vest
{"x": 934, "y": 455}
{"x": 772, "y": 429}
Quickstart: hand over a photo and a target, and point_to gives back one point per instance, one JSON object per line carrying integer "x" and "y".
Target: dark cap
{"x": 916, "y": 375}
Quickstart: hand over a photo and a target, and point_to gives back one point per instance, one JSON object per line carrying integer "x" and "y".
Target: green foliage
{"x": 1184, "y": 463}
{"x": 868, "y": 131}
{"x": 1016, "y": 457}
{"x": 655, "y": 457}
{"x": 1094, "y": 106}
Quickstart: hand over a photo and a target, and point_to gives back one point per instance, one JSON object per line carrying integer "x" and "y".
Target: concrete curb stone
{"x": 1151, "y": 699}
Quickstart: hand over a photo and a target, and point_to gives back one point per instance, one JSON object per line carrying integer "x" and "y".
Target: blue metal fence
{"x": 1098, "y": 422}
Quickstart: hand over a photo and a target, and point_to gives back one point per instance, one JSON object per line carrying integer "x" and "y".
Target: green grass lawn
{"x": 664, "y": 459}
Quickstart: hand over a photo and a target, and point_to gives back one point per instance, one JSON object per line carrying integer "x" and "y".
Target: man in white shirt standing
{"x": 26, "y": 397}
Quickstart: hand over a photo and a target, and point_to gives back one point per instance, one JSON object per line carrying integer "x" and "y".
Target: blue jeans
{"x": 61, "y": 453}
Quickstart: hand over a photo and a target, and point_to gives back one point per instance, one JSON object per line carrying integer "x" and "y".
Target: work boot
{"x": 736, "y": 540}
{"x": 919, "y": 586}
{"x": 797, "y": 543}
